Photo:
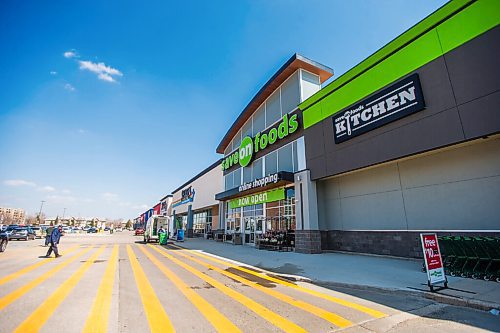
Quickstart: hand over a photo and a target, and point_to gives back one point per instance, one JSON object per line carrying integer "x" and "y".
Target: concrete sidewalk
{"x": 361, "y": 271}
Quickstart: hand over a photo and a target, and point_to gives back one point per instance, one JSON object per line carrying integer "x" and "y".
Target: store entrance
{"x": 253, "y": 229}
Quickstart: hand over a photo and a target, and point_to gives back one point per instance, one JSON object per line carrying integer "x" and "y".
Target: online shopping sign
{"x": 432, "y": 257}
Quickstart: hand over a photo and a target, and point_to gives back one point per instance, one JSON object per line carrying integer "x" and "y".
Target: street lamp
{"x": 64, "y": 213}
{"x": 40, "y": 213}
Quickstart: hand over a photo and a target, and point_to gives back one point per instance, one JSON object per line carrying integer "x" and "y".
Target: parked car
{"x": 92, "y": 230}
{"x": 139, "y": 231}
{"x": 39, "y": 233}
{"x": 4, "y": 239}
{"x": 22, "y": 233}
{"x": 10, "y": 228}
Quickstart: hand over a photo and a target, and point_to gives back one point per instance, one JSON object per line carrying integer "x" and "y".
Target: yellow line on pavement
{"x": 218, "y": 320}
{"x": 317, "y": 311}
{"x": 361, "y": 308}
{"x": 38, "y": 317}
{"x": 30, "y": 268}
{"x": 157, "y": 317}
{"x": 29, "y": 286}
{"x": 259, "y": 309}
{"x": 99, "y": 315}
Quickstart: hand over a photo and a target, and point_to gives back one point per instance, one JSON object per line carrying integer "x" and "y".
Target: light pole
{"x": 40, "y": 212}
{"x": 64, "y": 213}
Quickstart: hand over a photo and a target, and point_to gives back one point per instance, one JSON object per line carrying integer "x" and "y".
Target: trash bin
{"x": 163, "y": 238}
{"x": 180, "y": 235}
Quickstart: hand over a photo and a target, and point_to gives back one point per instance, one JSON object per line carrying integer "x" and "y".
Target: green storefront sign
{"x": 258, "y": 198}
{"x": 249, "y": 146}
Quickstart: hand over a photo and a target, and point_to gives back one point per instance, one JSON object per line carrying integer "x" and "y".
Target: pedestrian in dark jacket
{"x": 55, "y": 236}
{"x": 48, "y": 232}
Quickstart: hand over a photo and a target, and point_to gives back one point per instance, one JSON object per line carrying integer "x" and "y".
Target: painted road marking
{"x": 259, "y": 309}
{"x": 99, "y": 315}
{"x": 38, "y": 317}
{"x": 372, "y": 312}
{"x": 30, "y": 268}
{"x": 157, "y": 317}
{"x": 27, "y": 287}
{"x": 217, "y": 319}
{"x": 317, "y": 311}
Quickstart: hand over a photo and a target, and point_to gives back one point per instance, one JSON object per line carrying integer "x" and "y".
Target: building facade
{"x": 12, "y": 215}
{"x": 193, "y": 206}
{"x": 267, "y": 188}
{"x": 408, "y": 141}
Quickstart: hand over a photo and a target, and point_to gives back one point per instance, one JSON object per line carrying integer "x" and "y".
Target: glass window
{"x": 310, "y": 77}
{"x": 273, "y": 109}
{"x": 290, "y": 94}
{"x": 271, "y": 163}
{"x": 247, "y": 174}
{"x": 237, "y": 177}
{"x": 228, "y": 149}
{"x": 257, "y": 169}
{"x": 246, "y": 130}
{"x": 228, "y": 179}
{"x": 259, "y": 120}
{"x": 285, "y": 158}
{"x": 295, "y": 158}
{"x": 237, "y": 140}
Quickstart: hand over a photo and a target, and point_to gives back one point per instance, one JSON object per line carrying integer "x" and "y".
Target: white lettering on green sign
{"x": 258, "y": 198}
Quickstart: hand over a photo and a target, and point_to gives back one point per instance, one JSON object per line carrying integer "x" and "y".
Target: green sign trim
{"x": 258, "y": 198}
{"x": 388, "y": 65}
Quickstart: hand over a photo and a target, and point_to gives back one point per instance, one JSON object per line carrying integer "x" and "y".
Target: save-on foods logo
{"x": 249, "y": 146}
{"x": 397, "y": 101}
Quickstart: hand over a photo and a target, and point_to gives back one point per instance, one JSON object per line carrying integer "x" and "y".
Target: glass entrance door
{"x": 249, "y": 223}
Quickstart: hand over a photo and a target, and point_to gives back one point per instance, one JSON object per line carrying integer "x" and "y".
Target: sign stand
{"x": 433, "y": 261}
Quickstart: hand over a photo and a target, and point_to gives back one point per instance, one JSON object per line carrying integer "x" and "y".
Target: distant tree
{"x": 56, "y": 222}
{"x": 128, "y": 225}
{"x": 31, "y": 219}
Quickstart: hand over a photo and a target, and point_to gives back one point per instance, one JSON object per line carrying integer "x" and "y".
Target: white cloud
{"x": 82, "y": 131}
{"x": 46, "y": 189}
{"x": 66, "y": 191}
{"x": 70, "y": 54}
{"x": 60, "y": 199}
{"x": 105, "y": 73}
{"x": 18, "y": 182}
{"x": 53, "y": 73}
{"x": 109, "y": 196}
{"x": 69, "y": 87}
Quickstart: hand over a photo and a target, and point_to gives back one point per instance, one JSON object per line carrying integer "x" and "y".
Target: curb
{"x": 435, "y": 296}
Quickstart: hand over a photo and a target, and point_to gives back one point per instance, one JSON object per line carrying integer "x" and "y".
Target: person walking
{"x": 55, "y": 236}
{"x": 48, "y": 232}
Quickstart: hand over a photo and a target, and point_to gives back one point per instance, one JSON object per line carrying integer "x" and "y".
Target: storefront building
{"x": 267, "y": 189}
{"x": 408, "y": 140}
{"x": 193, "y": 206}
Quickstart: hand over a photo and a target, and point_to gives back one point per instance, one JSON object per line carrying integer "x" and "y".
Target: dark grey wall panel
{"x": 481, "y": 116}
{"x": 317, "y": 166}
{"x": 474, "y": 67}
{"x": 425, "y": 134}
{"x": 315, "y": 142}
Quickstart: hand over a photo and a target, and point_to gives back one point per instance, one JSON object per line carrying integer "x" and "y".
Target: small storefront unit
{"x": 264, "y": 166}
{"x": 194, "y": 208}
{"x": 408, "y": 140}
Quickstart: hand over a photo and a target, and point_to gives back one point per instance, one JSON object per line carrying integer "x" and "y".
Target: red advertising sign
{"x": 432, "y": 257}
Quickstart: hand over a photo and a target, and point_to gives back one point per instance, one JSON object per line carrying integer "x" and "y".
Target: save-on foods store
{"x": 267, "y": 189}
{"x": 408, "y": 140}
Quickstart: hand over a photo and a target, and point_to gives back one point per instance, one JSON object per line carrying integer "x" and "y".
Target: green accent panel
{"x": 258, "y": 198}
{"x": 412, "y": 33}
{"x": 459, "y": 29}
{"x": 414, "y": 55}
{"x": 478, "y": 18}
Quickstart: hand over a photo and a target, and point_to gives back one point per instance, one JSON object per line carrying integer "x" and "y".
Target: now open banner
{"x": 258, "y": 198}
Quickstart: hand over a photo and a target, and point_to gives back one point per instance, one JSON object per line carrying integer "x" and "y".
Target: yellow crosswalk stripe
{"x": 29, "y": 286}
{"x": 30, "y": 268}
{"x": 99, "y": 315}
{"x": 259, "y": 309}
{"x": 157, "y": 317}
{"x": 372, "y": 312}
{"x": 38, "y": 317}
{"x": 218, "y": 320}
{"x": 317, "y": 311}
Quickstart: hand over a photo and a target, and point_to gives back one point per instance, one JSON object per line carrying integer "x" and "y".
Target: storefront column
{"x": 307, "y": 234}
{"x": 222, "y": 215}
{"x": 174, "y": 226}
{"x": 189, "y": 226}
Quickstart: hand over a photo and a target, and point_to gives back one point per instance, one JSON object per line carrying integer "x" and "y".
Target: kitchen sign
{"x": 397, "y": 101}
{"x": 433, "y": 261}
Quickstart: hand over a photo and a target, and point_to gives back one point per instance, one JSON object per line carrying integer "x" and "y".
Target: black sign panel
{"x": 397, "y": 101}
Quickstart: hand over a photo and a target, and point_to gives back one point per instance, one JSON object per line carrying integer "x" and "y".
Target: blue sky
{"x": 107, "y": 106}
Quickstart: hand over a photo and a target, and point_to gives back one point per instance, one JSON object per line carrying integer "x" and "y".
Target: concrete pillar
{"x": 307, "y": 234}
{"x": 222, "y": 216}
{"x": 189, "y": 226}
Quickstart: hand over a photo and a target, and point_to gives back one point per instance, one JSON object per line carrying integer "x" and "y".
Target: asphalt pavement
{"x": 114, "y": 283}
